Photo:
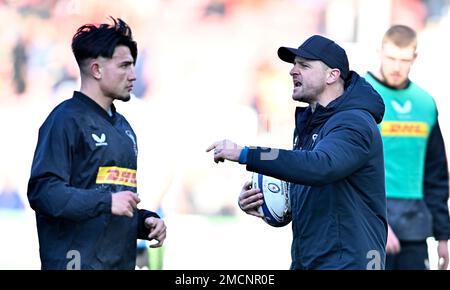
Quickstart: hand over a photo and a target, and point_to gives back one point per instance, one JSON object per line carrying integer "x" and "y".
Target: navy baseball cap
{"x": 318, "y": 48}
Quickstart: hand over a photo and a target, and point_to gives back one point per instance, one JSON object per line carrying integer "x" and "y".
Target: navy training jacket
{"x": 83, "y": 156}
{"x": 337, "y": 184}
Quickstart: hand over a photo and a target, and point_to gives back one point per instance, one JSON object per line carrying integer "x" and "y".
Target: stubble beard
{"x": 398, "y": 85}
{"x": 308, "y": 97}
{"x": 123, "y": 98}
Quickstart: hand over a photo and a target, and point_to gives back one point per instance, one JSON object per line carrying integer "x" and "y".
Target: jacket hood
{"x": 358, "y": 94}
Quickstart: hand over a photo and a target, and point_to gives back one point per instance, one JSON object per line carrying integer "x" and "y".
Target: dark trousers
{"x": 412, "y": 256}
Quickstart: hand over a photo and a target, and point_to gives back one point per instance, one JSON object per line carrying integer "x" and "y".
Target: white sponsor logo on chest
{"x": 99, "y": 141}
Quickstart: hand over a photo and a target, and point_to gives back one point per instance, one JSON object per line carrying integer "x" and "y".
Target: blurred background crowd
{"x": 206, "y": 70}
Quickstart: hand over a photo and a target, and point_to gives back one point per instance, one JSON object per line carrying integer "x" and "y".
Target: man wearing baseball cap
{"x": 335, "y": 169}
{"x": 318, "y": 48}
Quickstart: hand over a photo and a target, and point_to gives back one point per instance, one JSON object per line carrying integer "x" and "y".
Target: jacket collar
{"x": 92, "y": 105}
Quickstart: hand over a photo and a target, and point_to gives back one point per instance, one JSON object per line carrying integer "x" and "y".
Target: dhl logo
{"x": 116, "y": 175}
{"x": 411, "y": 129}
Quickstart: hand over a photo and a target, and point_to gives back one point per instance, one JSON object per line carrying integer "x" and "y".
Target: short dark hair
{"x": 91, "y": 41}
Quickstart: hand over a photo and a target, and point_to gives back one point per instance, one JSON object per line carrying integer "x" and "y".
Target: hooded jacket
{"x": 337, "y": 186}
{"x": 82, "y": 157}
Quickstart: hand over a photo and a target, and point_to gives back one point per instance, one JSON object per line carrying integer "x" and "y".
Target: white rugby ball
{"x": 276, "y": 208}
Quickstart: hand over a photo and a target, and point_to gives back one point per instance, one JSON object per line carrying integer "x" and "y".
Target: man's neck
{"x": 98, "y": 97}
{"x": 330, "y": 95}
{"x": 379, "y": 76}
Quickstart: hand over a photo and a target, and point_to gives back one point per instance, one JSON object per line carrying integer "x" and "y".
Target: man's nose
{"x": 132, "y": 75}
{"x": 397, "y": 64}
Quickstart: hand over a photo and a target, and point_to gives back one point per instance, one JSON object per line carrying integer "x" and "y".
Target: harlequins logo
{"x": 295, "y": 141}
{"x": 129, "y": 134}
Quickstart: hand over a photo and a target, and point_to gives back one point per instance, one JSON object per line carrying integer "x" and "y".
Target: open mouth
{"x": 297, "y": 84}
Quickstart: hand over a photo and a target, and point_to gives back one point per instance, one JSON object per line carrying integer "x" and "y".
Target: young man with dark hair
{"x": 83, "y": 179}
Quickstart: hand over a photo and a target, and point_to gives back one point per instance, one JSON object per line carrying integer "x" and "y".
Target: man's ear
{"x": 95, "y": 70}
{"x": 333, "y": 75}
{"x": 414, "y": 57}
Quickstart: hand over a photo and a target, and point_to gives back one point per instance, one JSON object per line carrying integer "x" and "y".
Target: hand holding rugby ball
{"x": 276, "y": 208}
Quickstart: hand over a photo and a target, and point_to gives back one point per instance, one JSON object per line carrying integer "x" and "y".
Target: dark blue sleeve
{"x": 143, "y": 231}
{"x": 436, "y": 192}
{"x": 343, "y": 150}
{"x": 49, "y": 189}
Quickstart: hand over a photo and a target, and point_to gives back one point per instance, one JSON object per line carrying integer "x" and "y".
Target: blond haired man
{"x": 415, "y": 161}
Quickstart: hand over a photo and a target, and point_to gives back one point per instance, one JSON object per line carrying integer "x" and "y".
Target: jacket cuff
{"x": 143, "y": 231}
{"x": 253, "y": 156}
{"x": 442, "y": 237}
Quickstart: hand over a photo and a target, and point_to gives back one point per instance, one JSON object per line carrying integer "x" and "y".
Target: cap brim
{"x": 288, "y": 54}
